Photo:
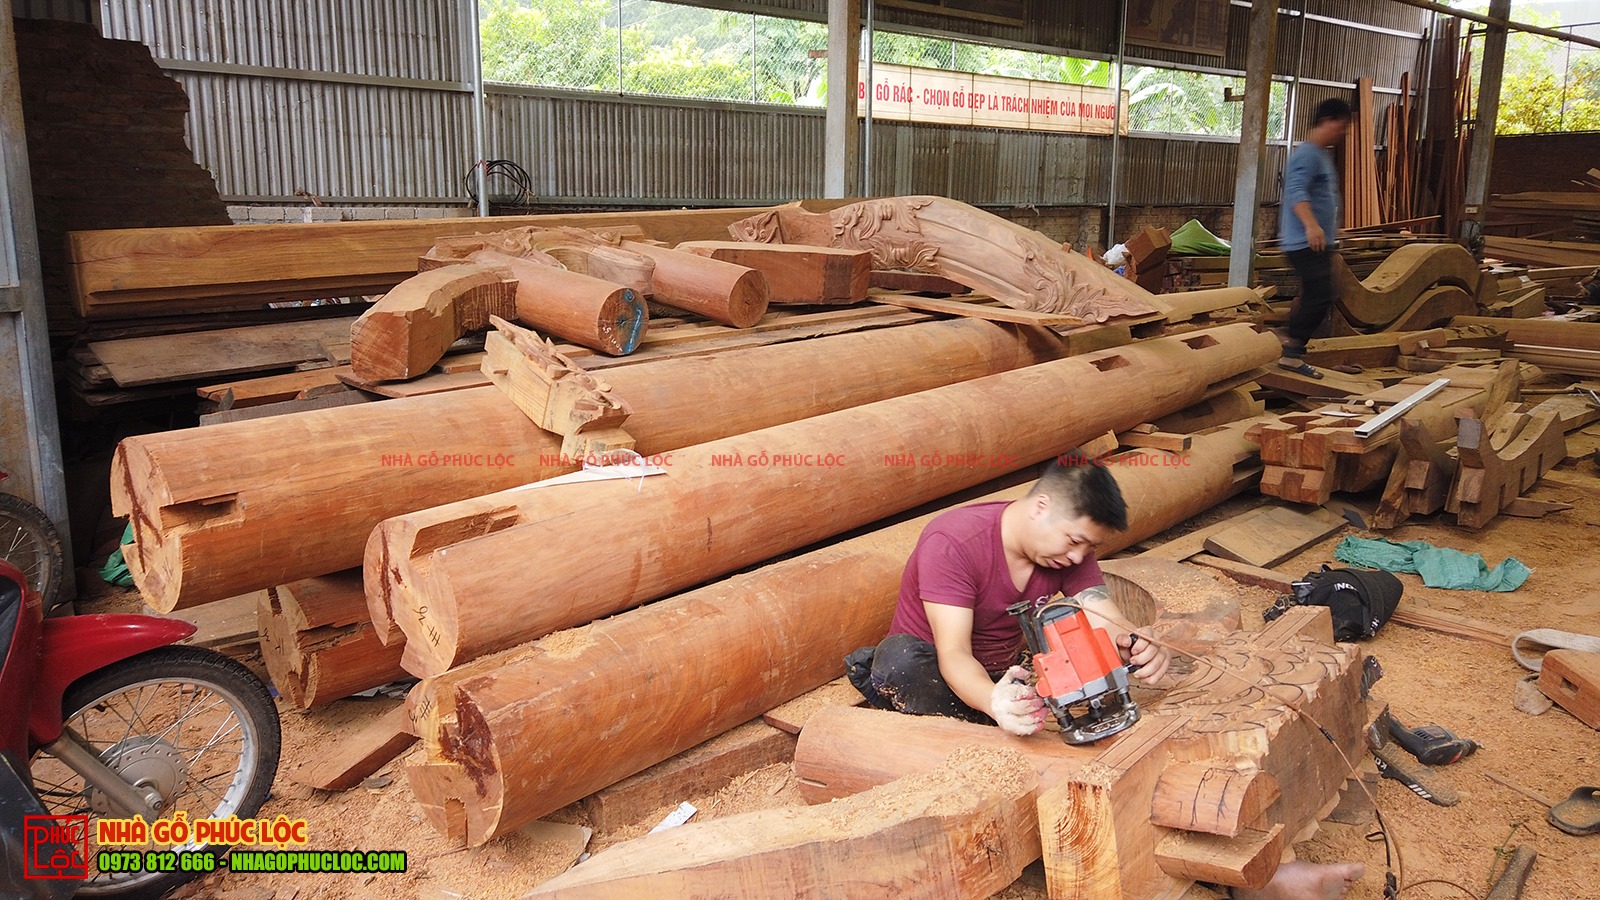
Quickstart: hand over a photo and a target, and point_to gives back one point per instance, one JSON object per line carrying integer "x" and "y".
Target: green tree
{"x": 554, "y": 43}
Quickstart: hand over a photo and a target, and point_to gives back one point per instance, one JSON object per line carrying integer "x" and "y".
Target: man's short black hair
{"x": 1331, "y": 108}
{"x": 1078, "y": 485}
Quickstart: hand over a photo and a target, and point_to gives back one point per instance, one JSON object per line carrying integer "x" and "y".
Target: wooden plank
{"x": 1274, "y": 536}
{"x": 222, "y": 625}
{"x": 965, "y": 830}
{"x": 1524, "y": 508}
{"x": 792, "y": 716}
{"x": 1572, "y": 679}
{"x": 1148, "y": 436}
{"x": 915, "y": 282}
{"x": 1181, "y": 548}
{"x": 978, "y": 310}
{"x": 1247, "y": 861}
{"x": 228, "y": 351}
{"x": 356, "y": 756}
{"x": 162, "y": 271}
{"x": 323, "y": 401}
{"x": 271, "y": 388}
{"x": 699, "y": 770}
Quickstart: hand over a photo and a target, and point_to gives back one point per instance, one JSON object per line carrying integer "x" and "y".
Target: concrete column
{"x": 1259, "y": 62}
{"x": 1494, "y": 63}
{"x": 840, "y": 158}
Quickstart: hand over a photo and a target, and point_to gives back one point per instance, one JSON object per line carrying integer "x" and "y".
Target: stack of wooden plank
{"x": 1361, "y": 203}
{"x": 1529, "y": 251}
{"x": 1547, "y": 214}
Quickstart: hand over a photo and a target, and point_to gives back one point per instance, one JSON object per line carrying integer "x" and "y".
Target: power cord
{"x": 511, "y": 174}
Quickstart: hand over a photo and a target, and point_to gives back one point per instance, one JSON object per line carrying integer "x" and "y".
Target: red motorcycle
{"x": 104, "y": 718}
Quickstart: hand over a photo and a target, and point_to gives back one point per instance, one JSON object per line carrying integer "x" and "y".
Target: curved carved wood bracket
{"x": 1389, "y": 294}
{"x": 1019, "y": 267}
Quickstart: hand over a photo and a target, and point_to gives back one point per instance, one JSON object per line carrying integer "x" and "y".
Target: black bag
{"x": 1361, "y": 600}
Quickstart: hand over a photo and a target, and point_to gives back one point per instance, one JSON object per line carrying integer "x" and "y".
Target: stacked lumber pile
{"x": 1547, "y": 214}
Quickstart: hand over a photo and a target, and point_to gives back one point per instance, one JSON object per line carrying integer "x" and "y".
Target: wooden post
{"x": 776, "y": 633}
{"x": 721, "y": 291}
{"x": 225, "y": 510}
{"x": 582, "y": 309}
{"x": 881, "y": 458}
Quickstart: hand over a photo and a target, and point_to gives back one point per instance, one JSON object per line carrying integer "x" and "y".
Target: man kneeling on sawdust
{"x": 952, "y": 647}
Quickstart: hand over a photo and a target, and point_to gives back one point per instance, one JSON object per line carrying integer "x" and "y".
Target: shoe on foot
{"x": 1299, "y": 368}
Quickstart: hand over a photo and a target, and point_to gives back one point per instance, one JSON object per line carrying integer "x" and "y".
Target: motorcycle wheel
{"x": 197, "y": 727}
{"x": 29, "y": 541}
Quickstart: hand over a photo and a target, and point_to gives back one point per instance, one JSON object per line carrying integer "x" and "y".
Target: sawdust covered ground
{"x": 1430, "y": 678}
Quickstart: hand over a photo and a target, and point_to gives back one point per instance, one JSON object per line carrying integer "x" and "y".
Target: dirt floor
{"x": 1429, "y": 678}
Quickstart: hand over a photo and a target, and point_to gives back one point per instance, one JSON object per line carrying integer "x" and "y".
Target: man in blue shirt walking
{"x": 1308, "y": 227}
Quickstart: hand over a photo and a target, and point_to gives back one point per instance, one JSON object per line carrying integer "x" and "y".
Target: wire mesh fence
{"x": 657, "y": 48}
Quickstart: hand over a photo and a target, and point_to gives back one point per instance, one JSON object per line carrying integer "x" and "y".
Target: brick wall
{"x": 106, "y": 144}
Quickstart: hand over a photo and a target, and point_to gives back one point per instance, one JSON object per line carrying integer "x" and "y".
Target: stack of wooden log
{"x": 517, "y": 529}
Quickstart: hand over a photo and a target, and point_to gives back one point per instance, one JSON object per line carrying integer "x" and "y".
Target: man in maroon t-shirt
{"x": 952, "y": 648}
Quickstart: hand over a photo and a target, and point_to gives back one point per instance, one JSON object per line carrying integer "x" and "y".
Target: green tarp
{"x": 1439, "y": 567}
{"x": 1194, "y": 240}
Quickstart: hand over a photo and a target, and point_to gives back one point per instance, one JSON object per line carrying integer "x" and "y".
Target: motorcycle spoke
{"x": 190, "y": 713}
{"x": 217, "y": 736}
{"x": 201, "y": 783}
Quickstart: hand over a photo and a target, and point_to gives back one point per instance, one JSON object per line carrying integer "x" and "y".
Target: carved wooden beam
{"x": 409, "y": 329}
{"x": 592, "y": 252}
{"x": 1015, "y": 265}
{"x": 1236, "y": 760}
{"x": 1489, "y": 478}
{"x": 1420, "y": 481}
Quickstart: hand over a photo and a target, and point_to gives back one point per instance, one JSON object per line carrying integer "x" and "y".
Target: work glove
{"x": 1015, "y": 705}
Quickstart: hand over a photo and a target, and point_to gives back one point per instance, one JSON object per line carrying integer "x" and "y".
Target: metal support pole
{"x": 1116, "y": 126}
{"x": 840, "y": 159}
{"x": 476, "y": 37}
{"x": 1259, "y": 61}
{"x": 30, "y": 436}
{"x": 1494, "y": 63}
{"x": 866, "y": 122}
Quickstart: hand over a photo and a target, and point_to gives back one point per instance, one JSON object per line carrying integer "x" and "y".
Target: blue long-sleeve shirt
{"x": 1309, "y": 178}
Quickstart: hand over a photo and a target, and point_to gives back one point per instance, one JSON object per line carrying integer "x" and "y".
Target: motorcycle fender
{"x": 74, "y": 646}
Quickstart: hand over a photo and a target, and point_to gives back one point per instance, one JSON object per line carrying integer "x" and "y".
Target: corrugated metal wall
{"x": 364, "y": 100}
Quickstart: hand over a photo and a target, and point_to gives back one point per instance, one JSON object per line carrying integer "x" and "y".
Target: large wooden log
{"x": 580, "y": 308}
{"x": 963, "y": 830}
{"x": 467, "y": 563}
{"x": 721, "y": 291}
{"x": 165, "y": 271}
{"x": 318, "y": 642}
{"x": 406, "y": 332}
{"x": 776, "y": 632}
{"x": 227, "y": 509}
